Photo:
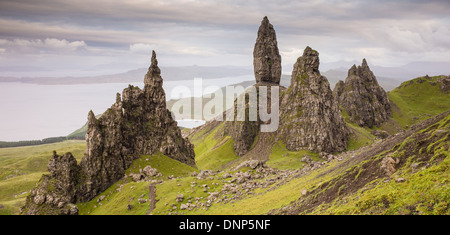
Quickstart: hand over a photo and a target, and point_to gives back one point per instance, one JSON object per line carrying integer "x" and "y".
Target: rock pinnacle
{"x": 266, "y": 57}
{"x": 153, "y": 75}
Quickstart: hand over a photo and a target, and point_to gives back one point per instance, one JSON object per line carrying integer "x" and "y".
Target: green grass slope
{"x": 420, "y": 184}
{"x": 128, "y": 192}
{"x": 211, "y": 149}
{"x": 417, "y": 100}
{"x": 281, "y": 158}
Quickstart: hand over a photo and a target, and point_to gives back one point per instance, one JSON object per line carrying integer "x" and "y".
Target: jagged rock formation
{"x": 266, "y": 57}
{"x": 267, "y": 68}
{"x": 55, "y": 193}
{"x": 309, "y": 116}
{"x": 139, "y": 124}
{"x": 363, "y": 99}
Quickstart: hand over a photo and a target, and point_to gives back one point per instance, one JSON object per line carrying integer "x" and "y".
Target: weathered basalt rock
{"x": 267, "y": 68}
{"x": 309, "y": 116}
{"x": 363, "y": 99}
{"x": 56, "y": 191}
{"x": 444, "y": 83}
{"x": 136, "y": 125}
{"x": 266, "y": 57}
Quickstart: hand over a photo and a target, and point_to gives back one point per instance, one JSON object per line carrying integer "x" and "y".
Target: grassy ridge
{"x": 417, "y": 100}
{"x": 424, "y": 170}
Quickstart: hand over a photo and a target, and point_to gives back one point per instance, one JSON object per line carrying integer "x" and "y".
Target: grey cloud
{"x": 224, "y": 31}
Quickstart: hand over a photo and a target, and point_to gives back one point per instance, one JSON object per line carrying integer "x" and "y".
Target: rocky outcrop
{"x": 363, "y": 99}
{"x": 135, "y": 125}
{"x": 444, "y": 83}
{"x": 266, "y": 57}
{"x": 243, "y": 132}
{"x": 309, "y": 116}
{"x": 267, "y": 68}
{"x": 56, "y": 192}
{"x": 138, "y": 124}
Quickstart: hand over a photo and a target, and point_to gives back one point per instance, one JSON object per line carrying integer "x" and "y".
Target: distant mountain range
{"x": 388, "y": 77}
{"x": 136, "y": 75}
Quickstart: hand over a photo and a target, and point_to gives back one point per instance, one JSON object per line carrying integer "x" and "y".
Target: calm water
{"x": 30, "y": 111}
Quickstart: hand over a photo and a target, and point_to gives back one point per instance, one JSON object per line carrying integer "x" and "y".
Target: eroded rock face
{"x": 244, "y": 131}
{"x": 309, "y": 116}
{"x": 266, "y": 57}
{"x": 138, "y": 124}
{"x": 56, "y": 191}
{"x": 365, "y": 101}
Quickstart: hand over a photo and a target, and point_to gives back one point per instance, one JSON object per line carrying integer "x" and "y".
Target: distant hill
{"x": 169, "y": 74}
{"x": 334, "y": 75}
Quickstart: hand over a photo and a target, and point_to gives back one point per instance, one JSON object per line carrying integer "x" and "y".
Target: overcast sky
{"x": 94, "y": 36}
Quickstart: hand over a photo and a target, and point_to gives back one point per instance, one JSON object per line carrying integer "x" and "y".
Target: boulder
{"x": 180, "y": 198}
{"x": 380, "y": 134}
{"x": 149, "y": 171}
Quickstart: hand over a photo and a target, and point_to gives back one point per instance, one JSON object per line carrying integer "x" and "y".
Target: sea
{"x": 34, "y": 112}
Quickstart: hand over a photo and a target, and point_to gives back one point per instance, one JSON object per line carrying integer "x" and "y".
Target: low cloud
{"x": 38, "y": 46}
{"x": 142, "y": 48}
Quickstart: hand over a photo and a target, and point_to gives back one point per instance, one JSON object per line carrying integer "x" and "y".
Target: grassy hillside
{"x": 212, "y": 150}
{"x": 417, "y": 100}
{"x": 128, "y": 192}
{"x": 281, "y": 158}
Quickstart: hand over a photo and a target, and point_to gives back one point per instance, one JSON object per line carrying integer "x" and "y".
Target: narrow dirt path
{"x": 152, "y": 197}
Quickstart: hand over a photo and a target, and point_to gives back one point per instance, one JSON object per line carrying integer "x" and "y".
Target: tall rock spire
{"x": 153, "y": 86}
{"x": 266, "y": 57}
{"x": 153, "y": 76}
